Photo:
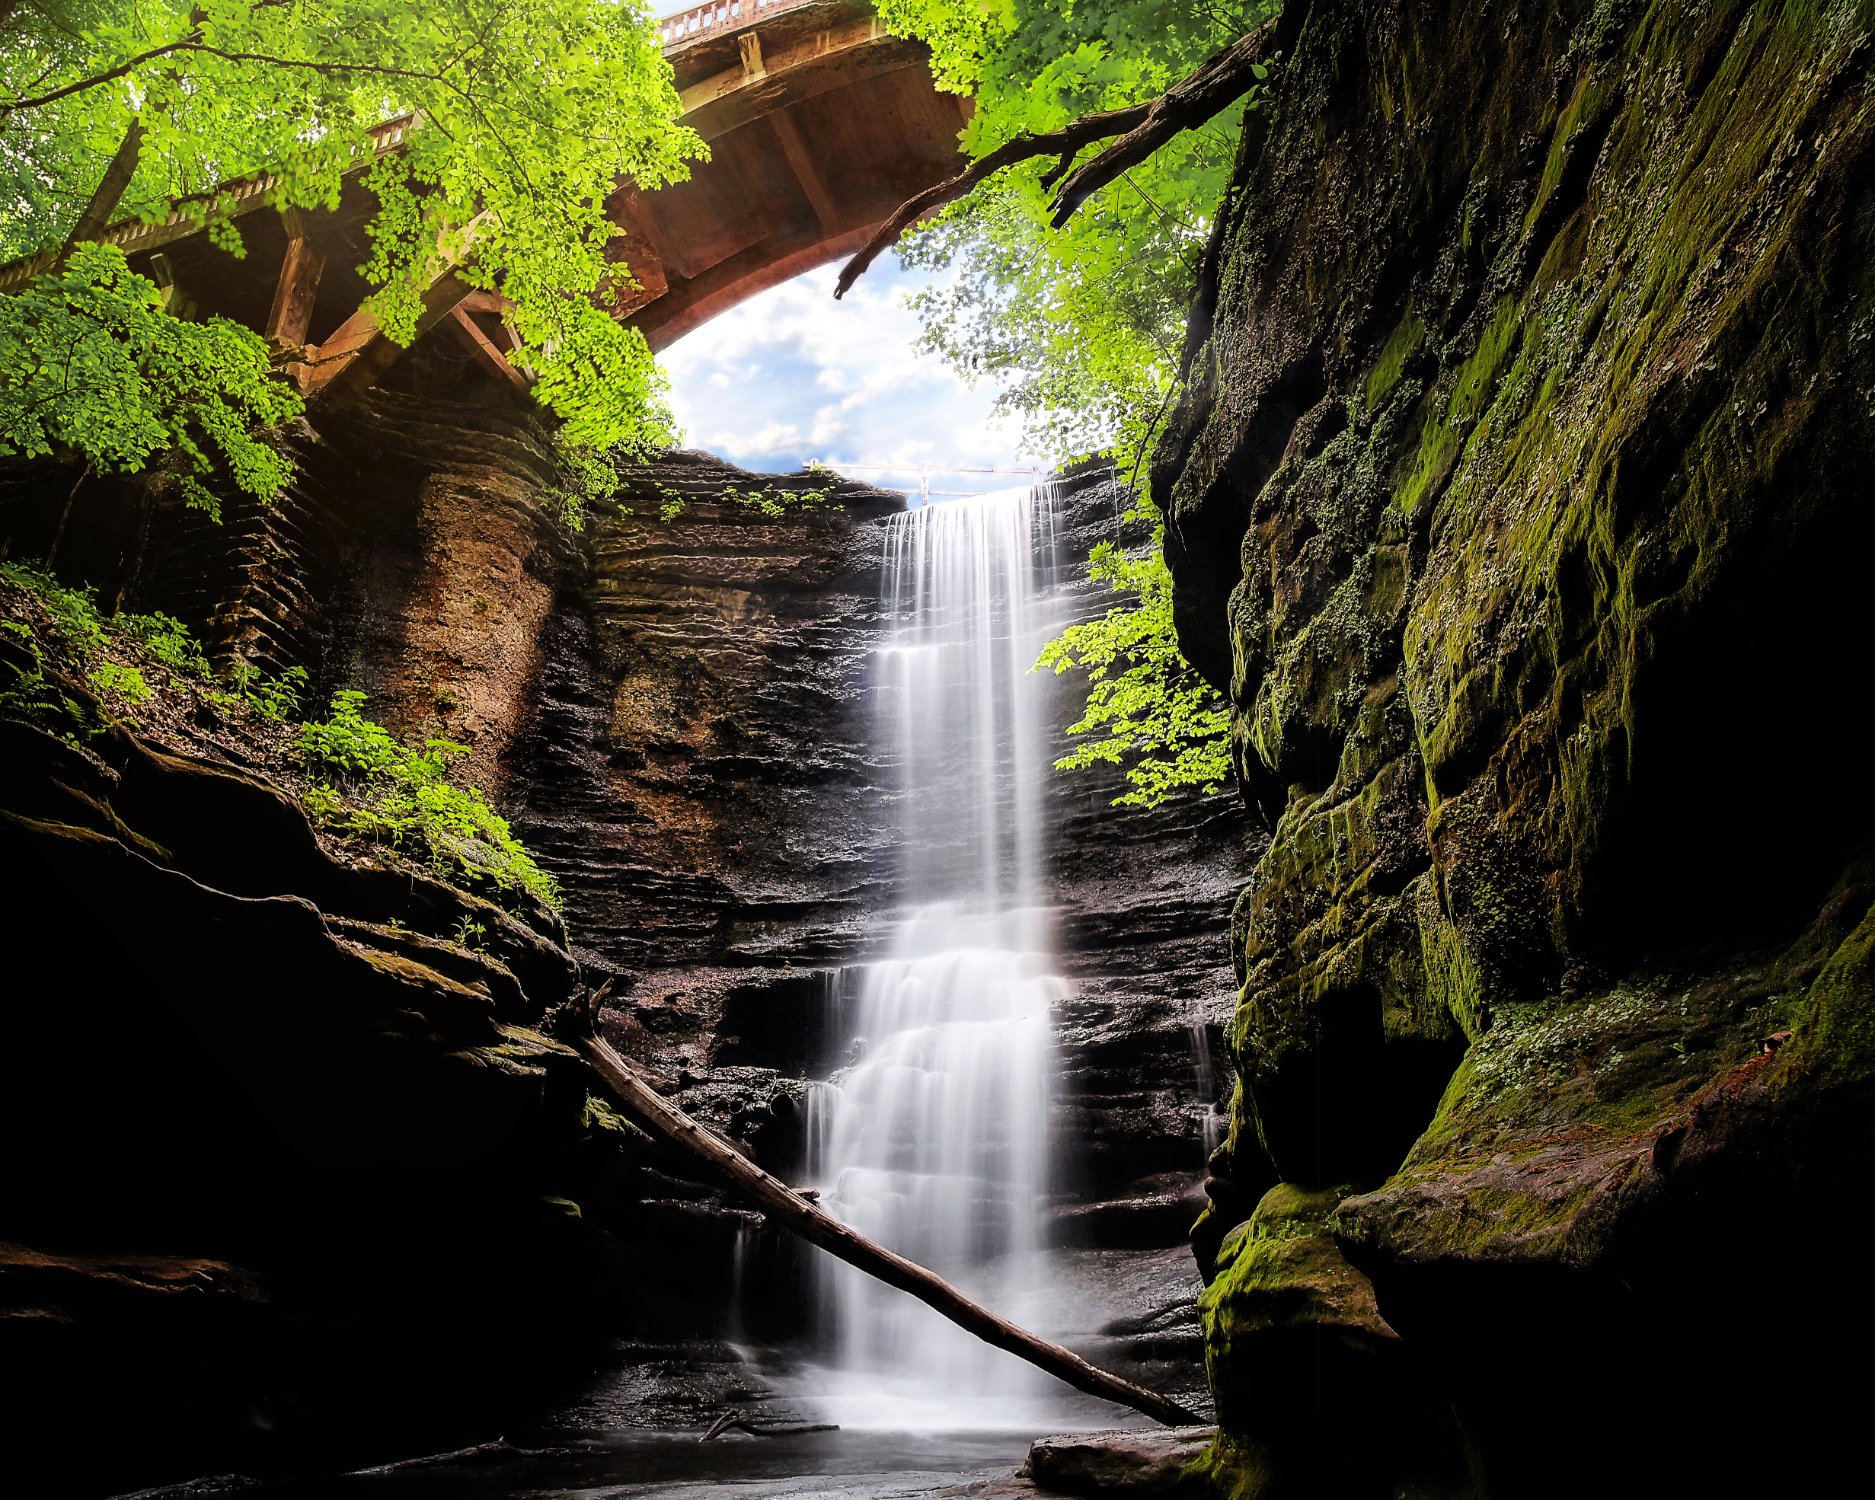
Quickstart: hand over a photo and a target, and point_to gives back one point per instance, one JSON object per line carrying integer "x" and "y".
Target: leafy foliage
{"x": 1146, "y": 708}
{"x": 383, "y": 790}
{"x": 529, "y": 111}
{"x": 774, "y": 502}
{"x": 91, "y": 363}
{"x": 1081, "y": 326}
{"x": 374, "y": 788}
{"x": 126, "y": 661}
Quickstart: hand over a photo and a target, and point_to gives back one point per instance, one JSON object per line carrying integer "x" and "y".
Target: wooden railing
{"x": 185, "y": 218}
{"x": 239, "y": 197}
{"x": 719, "y": 15}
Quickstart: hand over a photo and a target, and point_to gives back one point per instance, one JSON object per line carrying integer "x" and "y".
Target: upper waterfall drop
{"x": 934, "y": 1140}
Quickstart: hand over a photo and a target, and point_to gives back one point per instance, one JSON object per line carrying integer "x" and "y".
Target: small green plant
{"x": 273, "y": 698}
{"x": 385, "y": 791}
{"x": 167, "y": 640}
{"x": 1147, "y": 709}
{"x": 27, "y": 692}
{"x": 590, "y": 475}
{"x": 88, "y": 639}
{"x": 773, "y": 501}
{"x": 74, "y": 611}
{"x": 776, "y": 503}
{"x": 120, "y": 681}
{"x": 471, "y": 934}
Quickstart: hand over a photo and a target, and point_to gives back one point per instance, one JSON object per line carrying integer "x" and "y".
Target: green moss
{"x": 1234, "y": 1468}
{"x": 1834, "y": 1046}
{"x": 1400, "y": 347}
{"x": 1585, "y": 106}
{"x": 1441, "y": 437}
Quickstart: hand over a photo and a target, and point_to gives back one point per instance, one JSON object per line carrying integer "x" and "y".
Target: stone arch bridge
{"x": 819, "y": 123}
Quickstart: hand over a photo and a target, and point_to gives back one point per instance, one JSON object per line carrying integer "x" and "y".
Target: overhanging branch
{"x": 1222, "y": 81}
{"x": 1142, "y": 128}
{"x": 1065, "y": 143}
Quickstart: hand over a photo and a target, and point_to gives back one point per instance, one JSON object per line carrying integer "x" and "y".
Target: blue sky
{"x": 791, "y": 375}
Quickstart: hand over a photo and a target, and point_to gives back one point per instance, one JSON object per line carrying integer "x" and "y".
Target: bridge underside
{"x": 819, "y": 126}
{"x": 817, "y": 133}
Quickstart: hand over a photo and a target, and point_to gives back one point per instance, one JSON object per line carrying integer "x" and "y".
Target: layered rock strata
{"x": 702, "y": 773}
{"x": 674, "y": 707}
{"x": 1516, "y": 500}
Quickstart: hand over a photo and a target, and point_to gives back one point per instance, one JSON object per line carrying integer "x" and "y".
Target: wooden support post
{"x": 793, "y": 1212}
{"x": 469, "y": 333}
{"x": 357, "y": 353}
{"x": 751, "y": 47}
{"x": 175, "y": 300}
{"x": 801, "y": 163}
{"x": 297, "y": 290}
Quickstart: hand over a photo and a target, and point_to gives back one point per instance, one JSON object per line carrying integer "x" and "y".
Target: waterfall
{"x": 1210, "y": 1119}
{"x": 934, "y": 1139}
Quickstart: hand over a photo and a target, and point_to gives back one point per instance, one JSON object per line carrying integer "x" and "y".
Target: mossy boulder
{"x": 1317, "y": 1395}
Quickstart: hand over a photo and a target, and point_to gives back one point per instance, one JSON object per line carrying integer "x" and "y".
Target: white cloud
{"x": 753, "y": 385}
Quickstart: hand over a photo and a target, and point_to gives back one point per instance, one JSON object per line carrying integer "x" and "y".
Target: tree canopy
{"x": 528, "y": 111}
{"x": 1081, "y": 325}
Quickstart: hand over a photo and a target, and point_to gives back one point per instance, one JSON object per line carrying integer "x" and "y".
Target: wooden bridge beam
{"x": 297, "y": 290}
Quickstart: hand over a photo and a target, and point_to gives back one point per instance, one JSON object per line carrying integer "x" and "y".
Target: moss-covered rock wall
{"x": 1517, "y": 498}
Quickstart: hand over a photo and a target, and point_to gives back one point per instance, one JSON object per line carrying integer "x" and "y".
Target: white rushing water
{"x": 934, "y": 1140}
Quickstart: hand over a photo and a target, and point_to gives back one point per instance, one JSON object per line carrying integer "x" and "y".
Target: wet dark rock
{"x": 1127, "y": 1465}
{"x": 268, "y": 1146}
{"x": 674, "y": 712}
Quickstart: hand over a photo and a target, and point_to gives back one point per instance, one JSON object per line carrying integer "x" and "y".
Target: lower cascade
{"x": 933, "y": 1140}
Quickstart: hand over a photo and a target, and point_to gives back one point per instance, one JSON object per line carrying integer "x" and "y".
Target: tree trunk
{"x": 793, "y": 1212}
{"x": 58, "y": 536}
{"x": 96, "y": 217}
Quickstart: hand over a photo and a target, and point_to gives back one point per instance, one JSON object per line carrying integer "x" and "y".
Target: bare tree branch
{"x": 1065, "y": 143}
{"x": 1142, "y": 128}
{"x": 792, "y": 1211}
{"x": 1187, "y": 104}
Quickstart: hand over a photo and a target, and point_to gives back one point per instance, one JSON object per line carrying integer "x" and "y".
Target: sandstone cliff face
{"x": 675, "y": 711}
{"x": 1516, "y": 499}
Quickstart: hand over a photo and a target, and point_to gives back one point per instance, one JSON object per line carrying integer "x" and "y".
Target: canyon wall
{"x": 296, "y": 1110}
{"x": 702, "y": 773}
{"x": 1517, "y": 499}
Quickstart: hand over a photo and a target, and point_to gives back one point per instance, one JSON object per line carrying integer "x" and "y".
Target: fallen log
{"x": 793, "y": 1212}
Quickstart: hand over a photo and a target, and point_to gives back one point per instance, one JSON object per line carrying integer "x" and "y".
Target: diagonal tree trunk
{"x": 96, "y": 217}
{"x": 793, "y": 1212}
